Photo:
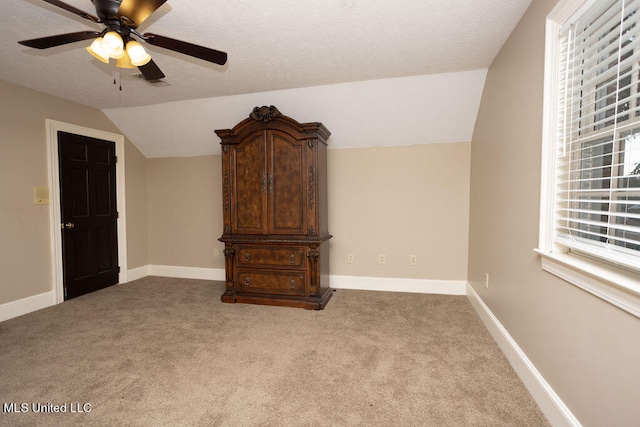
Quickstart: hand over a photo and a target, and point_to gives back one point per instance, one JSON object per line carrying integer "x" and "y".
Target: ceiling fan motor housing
{"x": 107, "y": 9}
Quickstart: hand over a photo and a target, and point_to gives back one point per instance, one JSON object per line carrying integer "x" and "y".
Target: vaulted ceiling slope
{"x": 427, "y": 109}
{"x": 272, "y": 45}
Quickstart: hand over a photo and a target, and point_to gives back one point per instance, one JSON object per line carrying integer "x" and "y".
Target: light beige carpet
{"x": 162, "y": 351}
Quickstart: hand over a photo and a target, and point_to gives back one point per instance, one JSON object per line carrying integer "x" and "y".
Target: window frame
{"x": 616, "y": 284}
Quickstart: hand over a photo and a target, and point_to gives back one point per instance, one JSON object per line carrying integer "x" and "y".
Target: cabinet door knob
{"x": 292, "y": 259}
{"x": 247, "y": 282}
{"x": 292, "y": 284}
{"x": 247, "y": 257}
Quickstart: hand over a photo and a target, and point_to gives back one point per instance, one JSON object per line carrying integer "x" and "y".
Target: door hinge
{"x": 65, "y": 292}
{"x": 117, "y": 215}
{"x": 116, "y": 159}
{"x": 118, "y": 269}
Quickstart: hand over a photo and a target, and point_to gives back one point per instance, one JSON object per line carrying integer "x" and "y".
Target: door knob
{"x": 69, "y": 225}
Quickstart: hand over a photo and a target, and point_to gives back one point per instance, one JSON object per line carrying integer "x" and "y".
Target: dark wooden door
{"x": 89, "y": 215}
{"x": 251, "y": 186}
{"x": 288, "y": 184}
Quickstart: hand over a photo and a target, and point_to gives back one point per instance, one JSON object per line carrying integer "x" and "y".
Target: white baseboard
{"x": 186, "y": 272}
{"x": 447, "y": 287}
{"x": 420, "y": 286}
{"x": 550, "y": 403}
{"x": 138, "y": 273}
{"x": 176, "y": 271}
{"x": 22, "y": 306}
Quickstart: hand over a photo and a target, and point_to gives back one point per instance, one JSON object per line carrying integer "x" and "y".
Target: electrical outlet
{"x": 413, "y": 260}
{"x": 216, "y": 253}
{"x": 381, "y": 259}
{"x": 486, "y": 280}
{"x": 350, "y": 258}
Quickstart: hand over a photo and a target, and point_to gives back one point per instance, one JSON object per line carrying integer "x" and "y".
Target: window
{"x": 591, "y": 172}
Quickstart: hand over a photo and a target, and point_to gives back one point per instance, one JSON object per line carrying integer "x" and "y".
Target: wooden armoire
{"x": 274, "y": 190}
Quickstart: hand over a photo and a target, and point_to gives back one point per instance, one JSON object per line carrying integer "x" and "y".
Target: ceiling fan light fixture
{"x": 137, "y": 53}
{"x": 124, "y": 62}
{"x": 97, "y": 50}
{"x": 113, "y": 45}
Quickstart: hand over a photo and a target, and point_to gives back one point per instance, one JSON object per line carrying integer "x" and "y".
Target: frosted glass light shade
{"x": 137, "y": 54}
{"x": 96, "y": 49}
{"x": 113, "y": 45}
{"x": 124, "y": 62}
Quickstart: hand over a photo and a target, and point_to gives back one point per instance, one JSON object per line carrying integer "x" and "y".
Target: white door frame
{"x": 54, "y": 206}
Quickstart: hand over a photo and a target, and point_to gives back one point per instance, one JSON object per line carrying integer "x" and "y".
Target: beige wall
{"x": 587, "y": 349}
{"x": 400, "y": 201}
{"x": 136, "y": 200}
{"x": 185, "y": 211}
{"x": 25, "y": 249}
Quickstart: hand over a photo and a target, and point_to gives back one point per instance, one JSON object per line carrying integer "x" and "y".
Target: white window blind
{"x": 597, "y": 191}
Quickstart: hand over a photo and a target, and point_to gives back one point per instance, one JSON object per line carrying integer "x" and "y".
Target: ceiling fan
{"x": 121, "y": 18}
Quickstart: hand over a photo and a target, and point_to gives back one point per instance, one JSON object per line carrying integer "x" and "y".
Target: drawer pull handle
{"x": 292, "y": 284}
{"x": 247, "y": 257}
{"x": 292, "y": 259}
{"x": 247, "y": 282}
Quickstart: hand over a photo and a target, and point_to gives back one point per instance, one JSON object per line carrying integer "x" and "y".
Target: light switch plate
{"x": 41, "y": 195}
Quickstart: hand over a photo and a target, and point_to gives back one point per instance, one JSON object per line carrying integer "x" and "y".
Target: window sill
{"x": 614, "y": 285}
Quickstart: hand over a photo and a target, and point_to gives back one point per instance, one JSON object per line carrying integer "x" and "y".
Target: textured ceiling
{"x": 272, "y": 45}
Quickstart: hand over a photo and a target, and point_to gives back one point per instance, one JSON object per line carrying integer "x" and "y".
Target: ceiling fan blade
{"x": 150, "y": 71}
{"x": 136, "y": 11}
{"x": 53, "y": 41}
{"x": 72, "y": 9}
{"x": 190, "y": 49}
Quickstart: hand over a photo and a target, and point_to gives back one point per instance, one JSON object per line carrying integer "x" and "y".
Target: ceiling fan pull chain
{"x": 117, "y": 78}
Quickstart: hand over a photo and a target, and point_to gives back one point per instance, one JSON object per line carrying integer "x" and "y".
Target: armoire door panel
{"x": 249, "y": 198}
{"x": 287, "y": 214}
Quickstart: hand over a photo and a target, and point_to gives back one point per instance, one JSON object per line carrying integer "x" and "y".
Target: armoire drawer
{"x": 270, "y": 256}
{"x": 281, "y": 282}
